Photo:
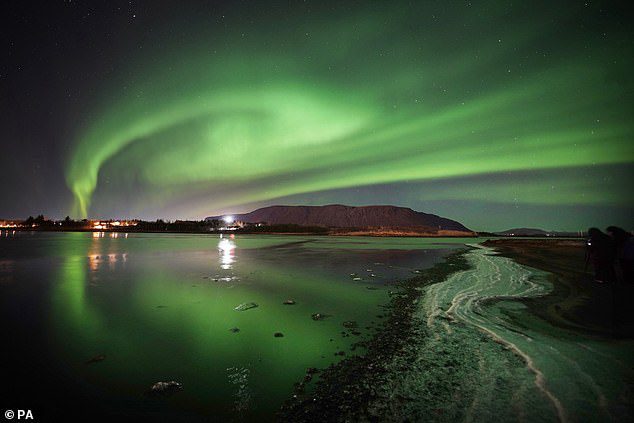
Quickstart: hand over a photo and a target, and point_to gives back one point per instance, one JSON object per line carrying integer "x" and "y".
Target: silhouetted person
{"x": 624, "y": 245}
{"x": 601, "y": 253}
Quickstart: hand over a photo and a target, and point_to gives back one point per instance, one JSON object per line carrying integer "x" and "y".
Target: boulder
{"x": 165, "y": 388}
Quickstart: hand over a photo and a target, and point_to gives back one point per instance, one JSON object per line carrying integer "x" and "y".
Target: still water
{"x": 161, "y": 307}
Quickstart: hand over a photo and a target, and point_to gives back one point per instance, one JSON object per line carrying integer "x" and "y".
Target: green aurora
{"x": 524, "y": 106}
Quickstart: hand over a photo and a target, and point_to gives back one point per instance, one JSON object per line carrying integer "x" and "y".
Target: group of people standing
{"x": 611, "y": 255}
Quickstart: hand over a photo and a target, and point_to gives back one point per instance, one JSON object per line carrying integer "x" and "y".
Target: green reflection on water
{"x": 161, "y": 308}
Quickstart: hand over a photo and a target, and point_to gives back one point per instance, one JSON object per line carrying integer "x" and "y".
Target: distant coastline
{"x": 367, "y": 232}
{"x": 371, "y": 232}
{"x": 326, "y": 220}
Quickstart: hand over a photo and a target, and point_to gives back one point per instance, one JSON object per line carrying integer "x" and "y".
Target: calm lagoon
{"x": 161, "y": 307}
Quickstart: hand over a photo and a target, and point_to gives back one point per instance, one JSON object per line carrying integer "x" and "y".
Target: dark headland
{"x": 337, "y": 219}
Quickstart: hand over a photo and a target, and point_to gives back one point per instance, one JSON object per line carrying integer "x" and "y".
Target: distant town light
{"x": 228, "y": 219}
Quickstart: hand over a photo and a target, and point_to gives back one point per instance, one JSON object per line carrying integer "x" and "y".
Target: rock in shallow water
{"x": 245, "y": 306}
{"x": 318, "y": 316}
{"x": 165, "y": 388}
{"x": 96, "y": 359}
{"x": 289, "y": 302}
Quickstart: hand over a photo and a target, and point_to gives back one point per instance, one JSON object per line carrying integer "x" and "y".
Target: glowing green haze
{"x": 253, "y": 110}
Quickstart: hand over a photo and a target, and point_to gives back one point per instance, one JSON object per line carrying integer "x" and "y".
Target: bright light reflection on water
{"x": 227, "y": 250}
{"x": 162, "y": 307}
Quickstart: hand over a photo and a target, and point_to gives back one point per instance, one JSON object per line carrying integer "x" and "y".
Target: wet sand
{"x": 480, "y": 338}
{"x": 577, "y": 301}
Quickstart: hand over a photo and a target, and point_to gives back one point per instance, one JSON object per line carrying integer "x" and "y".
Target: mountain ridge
{"x": 343, "y": 216}
{"x": 535, "y": 232}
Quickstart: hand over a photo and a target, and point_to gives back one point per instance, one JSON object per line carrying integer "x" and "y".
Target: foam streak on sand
{"x": 476, "y": 351}
{"x": 491, "y": 278}
{"x": 566, "y": 372}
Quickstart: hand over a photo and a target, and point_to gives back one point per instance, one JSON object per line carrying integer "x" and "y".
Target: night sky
{"x": 496, "y": 114}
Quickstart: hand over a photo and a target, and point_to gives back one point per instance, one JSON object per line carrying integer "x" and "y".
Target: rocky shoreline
{"x": 358, "y": 387}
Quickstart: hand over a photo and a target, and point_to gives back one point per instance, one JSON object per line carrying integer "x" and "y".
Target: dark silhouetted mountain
{"x": 340, "y": 216}
{"x": 535, "y": 232}
{"x": 523, "y": 232}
